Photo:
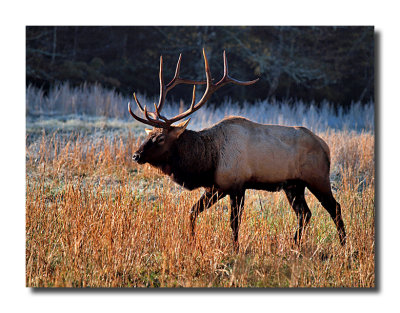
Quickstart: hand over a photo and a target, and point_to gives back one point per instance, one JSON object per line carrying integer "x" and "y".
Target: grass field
{"x": 96, "y": 219}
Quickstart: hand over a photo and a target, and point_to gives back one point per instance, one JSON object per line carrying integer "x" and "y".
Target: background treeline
{"x": 311, "y": 64}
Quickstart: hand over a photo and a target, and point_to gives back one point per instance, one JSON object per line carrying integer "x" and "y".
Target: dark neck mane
{"x": 193, "y": 160}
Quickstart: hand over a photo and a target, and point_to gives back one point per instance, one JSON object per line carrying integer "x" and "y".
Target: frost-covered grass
{"x": 94, "y": 106}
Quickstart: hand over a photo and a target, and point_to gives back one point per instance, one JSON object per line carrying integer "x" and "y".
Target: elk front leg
{"x": 237, "y": 204}
{"x": 206, "y": 201}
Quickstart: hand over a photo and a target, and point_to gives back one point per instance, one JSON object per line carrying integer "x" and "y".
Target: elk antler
{"x": 153, "y": 118}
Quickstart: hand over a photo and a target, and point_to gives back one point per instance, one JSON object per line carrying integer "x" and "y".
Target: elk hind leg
{"x": 295, "y": 196}
{"x": 323, "y": 192}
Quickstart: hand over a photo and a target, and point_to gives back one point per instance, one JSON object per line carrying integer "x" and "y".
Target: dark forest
{"x": 312, "y": 64}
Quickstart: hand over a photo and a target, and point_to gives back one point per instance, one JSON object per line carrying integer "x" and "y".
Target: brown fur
{"x": 237, "y": 154}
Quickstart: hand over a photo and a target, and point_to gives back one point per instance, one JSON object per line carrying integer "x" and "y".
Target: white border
{"x": 15, "y": 15}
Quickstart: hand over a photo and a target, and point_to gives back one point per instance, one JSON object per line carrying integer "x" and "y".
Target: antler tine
{"x": 226, "y": 79}
{"x": 140, "y": 106}
{"x": 178, "y": 80}
{"x": 207, "y": 94}
{"x": 193, "y": 97}
{"x": 171, "y": 84}
{"x": 207, "y": 69}
{"x": 175, "y": 80}
{"x": 137, "y": 102}
{"x": 163, "y": 91}
{"x": 156, "y": 110}
{"x": 150, "y": 122}
{"x": 157, "y": 122}
{"x": 225, "y": 65}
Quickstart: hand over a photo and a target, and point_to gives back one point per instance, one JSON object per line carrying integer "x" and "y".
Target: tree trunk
{"x": 53, "y": 52}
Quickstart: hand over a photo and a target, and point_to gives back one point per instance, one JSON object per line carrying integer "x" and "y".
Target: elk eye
{"x": 161, "y": 139}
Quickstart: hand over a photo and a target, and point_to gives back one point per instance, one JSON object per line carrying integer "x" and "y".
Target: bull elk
{"x": 236, "y": 154}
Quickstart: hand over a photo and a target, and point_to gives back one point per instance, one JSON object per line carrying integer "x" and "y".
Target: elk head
{"x": 155, "y": 148}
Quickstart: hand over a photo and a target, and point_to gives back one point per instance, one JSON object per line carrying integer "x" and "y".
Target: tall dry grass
{"x": 95, "y": 219}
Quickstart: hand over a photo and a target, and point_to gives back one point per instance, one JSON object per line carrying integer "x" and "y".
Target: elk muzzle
{"x": 136, "y": 157}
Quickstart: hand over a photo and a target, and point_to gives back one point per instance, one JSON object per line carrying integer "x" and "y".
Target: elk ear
{"x": 178, "y": 129}
{"x": 148, "y": 130}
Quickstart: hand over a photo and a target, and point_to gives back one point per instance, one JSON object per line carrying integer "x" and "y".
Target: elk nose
{"x": 136, "y": 157}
